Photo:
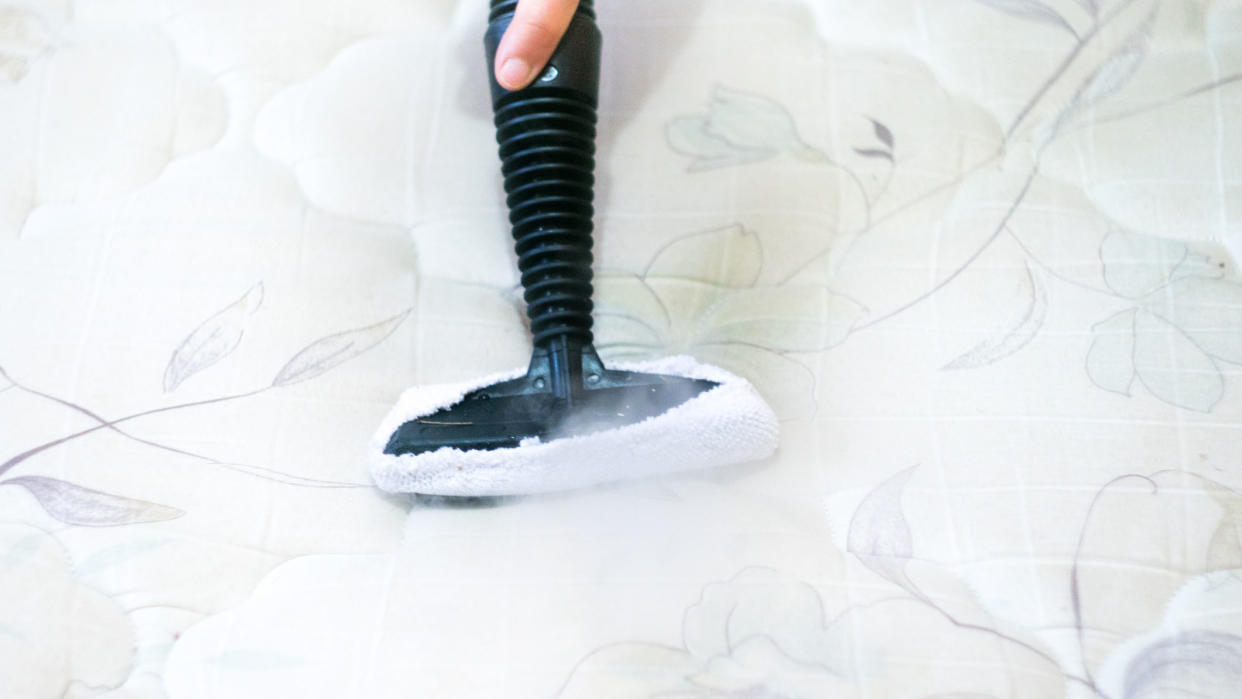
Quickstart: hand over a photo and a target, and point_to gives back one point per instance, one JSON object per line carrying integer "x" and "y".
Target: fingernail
{"x": 514, "y": 72}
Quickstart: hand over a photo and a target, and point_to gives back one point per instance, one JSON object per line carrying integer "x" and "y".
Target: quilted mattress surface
{"x": 975, "y": 253}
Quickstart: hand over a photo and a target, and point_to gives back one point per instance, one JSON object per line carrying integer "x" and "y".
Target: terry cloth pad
{"x": 727, "y": 424}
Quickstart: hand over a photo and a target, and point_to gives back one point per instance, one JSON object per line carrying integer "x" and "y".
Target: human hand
{"x": 532, "y": 36}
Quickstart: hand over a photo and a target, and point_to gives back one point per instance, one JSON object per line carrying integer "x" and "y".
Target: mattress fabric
{"x": 975, "y": 253}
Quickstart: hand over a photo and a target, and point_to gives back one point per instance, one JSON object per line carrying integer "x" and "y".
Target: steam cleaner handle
{"x": 546, "y": 134}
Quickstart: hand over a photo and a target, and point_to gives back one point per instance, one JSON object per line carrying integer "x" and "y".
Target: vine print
{"x": 213, "y": 340}
{"x": 1179, "y": 329}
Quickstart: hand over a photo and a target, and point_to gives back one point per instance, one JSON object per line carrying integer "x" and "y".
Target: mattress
{"x": 976, "y": 254}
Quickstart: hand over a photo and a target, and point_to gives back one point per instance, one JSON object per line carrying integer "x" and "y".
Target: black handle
{"x": 546, "y": 134}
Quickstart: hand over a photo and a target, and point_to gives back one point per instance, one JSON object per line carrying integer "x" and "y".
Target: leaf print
{"x": 1189, "y": 317}
{"x": 752, "y": 121}
{"x": 739, "y": 127}
{"x": 758, "y": 603}
{"x": 883, "y": 133}
{"x": 1018, "y": 333}
{"x": 1031, "y": 9}
{"x": 330, "y": 352}
{"x": 628, "y": 313}
{"x": 1209, "y": 311}
{"x": 691, "y": 135}
{"x": 874, "y": 153}
{"x": 213, "y": 340}
{"x": 1110, "y": 361}
{"x": 730, "y": 257}
{"x": 74, "y": 504}
{"x": 700, "y": 296}
{"x": 1172, "y": 367}
{"x": 879, "y": 533}
{"x": 885, "y": 136}
{"x": 803, "y": 318}
{"x": 1112, "y": 75}
{"x": 786, "y": 384}
{"x": 1135, "y": 265}
{"x": 1197, "y": 663}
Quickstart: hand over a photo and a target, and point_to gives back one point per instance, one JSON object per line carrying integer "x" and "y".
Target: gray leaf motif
{"x": 1035, "y": 10}
{"x": 1019, "y": 332}
{"x": 880, "y": 534}
{"x": 874, "y": 153}
{"x": 330, "y": 352}
{"x": 74, "y": 504}
{"x": 213, "y": 340}
{"x": 885, "y": 136}
{"x": 1197, "y": 663}
{"x": 883, "y": 133}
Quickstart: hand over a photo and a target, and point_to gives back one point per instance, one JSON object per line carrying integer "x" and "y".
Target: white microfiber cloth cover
{"x": 727, "y": 424}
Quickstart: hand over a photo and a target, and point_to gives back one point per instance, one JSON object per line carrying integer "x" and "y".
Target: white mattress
{"x": 975, "y": 252}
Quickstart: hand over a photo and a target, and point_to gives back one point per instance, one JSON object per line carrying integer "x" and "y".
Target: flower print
{"x": 759, "y": 635}
{"x": 1186, "y": 319}
{"x": 738, "y": 128}
{"x": 700, "y": 295}
{"x": 766, "y": 635}
{"x": 58, "y": 637}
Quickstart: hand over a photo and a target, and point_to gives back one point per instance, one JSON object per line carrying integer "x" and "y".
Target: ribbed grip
{"x": 547, "y": 150}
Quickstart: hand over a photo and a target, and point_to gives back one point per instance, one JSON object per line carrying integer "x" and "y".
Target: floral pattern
{"x": 700, "y": 294}
{"x": 756, "y": 635}
{"x": 738, "y": 128}
{"x": 1185, "y": 325}
{"x": 69, "y": 639}
{"x": 210, "y": 342}
{"x": 971, "y": 251}
{"x": 763, "y": 634}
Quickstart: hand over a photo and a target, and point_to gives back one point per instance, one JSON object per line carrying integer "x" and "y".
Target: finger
{"x": 532, "y": 36}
